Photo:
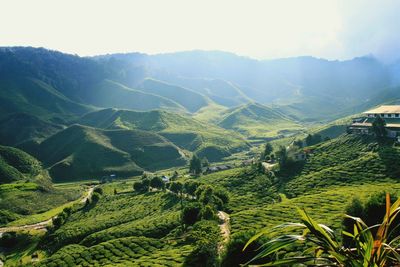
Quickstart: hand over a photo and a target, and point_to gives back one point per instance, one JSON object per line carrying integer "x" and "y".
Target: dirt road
{"x": 225, "y": 232}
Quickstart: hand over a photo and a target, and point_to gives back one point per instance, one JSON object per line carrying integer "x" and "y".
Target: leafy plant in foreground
{"x": 324, "y": 249}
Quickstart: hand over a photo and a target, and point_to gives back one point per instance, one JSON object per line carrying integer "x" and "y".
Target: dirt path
{"x": 225, "y": 232}
{"x": 41, "y": 225}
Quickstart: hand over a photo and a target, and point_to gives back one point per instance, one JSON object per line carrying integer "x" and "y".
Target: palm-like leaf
{"x": 369, "y": 251}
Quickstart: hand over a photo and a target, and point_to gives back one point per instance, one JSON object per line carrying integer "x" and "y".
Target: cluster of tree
{"x": 205, "y": 236}
{"x": 207, "y": 201}
{"x": 61, "y": 218}
{"x": 196, "y": 164}
{"x": 11, "y": 240}
{"x": 145, "y": 185}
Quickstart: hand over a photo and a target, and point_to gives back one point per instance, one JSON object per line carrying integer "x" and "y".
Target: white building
{"x": 391, "y": 115}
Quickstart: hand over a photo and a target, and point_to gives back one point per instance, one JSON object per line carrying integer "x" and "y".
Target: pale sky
{"x": 256, "y": 28}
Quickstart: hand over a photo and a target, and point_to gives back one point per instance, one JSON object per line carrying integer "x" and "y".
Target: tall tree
{"x": 195, "y": 165}
{"x": 378, "y": 127}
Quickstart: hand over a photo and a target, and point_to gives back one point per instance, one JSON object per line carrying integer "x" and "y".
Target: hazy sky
{"x": 256, "y": 28}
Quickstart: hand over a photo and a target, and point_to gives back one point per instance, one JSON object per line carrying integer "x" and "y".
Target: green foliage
{"x": 191, "y": 213}
{"x": 157, "y": 182}
{"x": 176, "y": 187}
{"x": 190, "y": 187}
{"x": 205, "y": 235}
{"x": 235, "y": 256}
{"x": 324, "y": 248}
{"x": 142, "y": 186}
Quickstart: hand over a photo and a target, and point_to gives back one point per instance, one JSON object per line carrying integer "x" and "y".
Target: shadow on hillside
{"x": 390, "y": 157}
{"x": 169, "y": 201}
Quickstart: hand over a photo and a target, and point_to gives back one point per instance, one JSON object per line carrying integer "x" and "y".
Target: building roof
{"x": 384, "y": 109}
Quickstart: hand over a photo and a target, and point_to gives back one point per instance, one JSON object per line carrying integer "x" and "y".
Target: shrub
{"x": 98, "y": 190}
{"x": 235, "y": 255}
{"x": 191, "y": 214}
{"x": 157, "y": 182}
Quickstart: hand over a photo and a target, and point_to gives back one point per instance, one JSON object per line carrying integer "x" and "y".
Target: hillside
{"x": 185, "y": 132}
{"x": 21, "y": 127}
{"x": 345, "y": 160}
{"x": 189, "y": 99}
{"x": 81, "y": 152}
{"x": 258, "y": 121}
{"x": 25, "y": 188}
{"x": 17, "y": 165}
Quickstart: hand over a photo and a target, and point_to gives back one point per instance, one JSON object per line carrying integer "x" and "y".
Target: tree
{"x": 235, "y": 256}
{"x": 208, "y": 213}
{"x": 142, "y": 186}
{"x": 98, "y": 190}
{"x": 282, "y": 156}
{"x": 195, "y": 165}
{"x": 267, "y": 150}
{"x": 204, "y": 162}
{"x": 176, "y": 187}
{"x": 95, "y": 197}
{"x": 190, "y": 187}
{"x": 157, "y": 182}
{"x": 378, "y": 127}
{"x": 190, "y": 214}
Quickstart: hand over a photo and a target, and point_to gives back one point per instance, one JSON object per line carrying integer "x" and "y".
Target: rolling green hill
{"x": 258, "y": 121}
{"x": 17, "y": 165}
{"x": 81, "y": 152}
{"x": 189, "y": 99}
{"x": 21, "y": 127}
{"x": 187, "y": 133}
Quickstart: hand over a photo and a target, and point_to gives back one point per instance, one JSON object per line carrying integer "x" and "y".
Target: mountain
{"x": 185, "y": 132}
{"x": 51, "y": 84}
{"x": 19, "y": 128}
{"x": 258, "y": 121}
{"x": 81, "y": 152}
{"x": 310, "y": 89}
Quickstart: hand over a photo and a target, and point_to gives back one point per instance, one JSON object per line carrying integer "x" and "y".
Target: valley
{"x": 179, "y": 159}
